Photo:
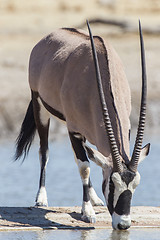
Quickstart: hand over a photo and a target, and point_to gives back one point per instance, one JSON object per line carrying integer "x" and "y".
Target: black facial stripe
{"x": 127, "y": 176}
{"x": 124, "y": 203}
{"x": 111, "y": 197}
{"x": 104, "y": 186}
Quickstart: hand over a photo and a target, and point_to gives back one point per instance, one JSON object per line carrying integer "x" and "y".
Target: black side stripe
{"x": 53, "y": 111}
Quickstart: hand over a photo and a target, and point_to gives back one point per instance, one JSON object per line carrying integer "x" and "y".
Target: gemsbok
{"x": 80, "y": 79}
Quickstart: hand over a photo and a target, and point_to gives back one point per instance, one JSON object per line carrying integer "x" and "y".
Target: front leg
{"x": 88, "y": 214}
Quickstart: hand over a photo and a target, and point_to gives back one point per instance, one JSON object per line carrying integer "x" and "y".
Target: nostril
{"x": 122, "y": 227}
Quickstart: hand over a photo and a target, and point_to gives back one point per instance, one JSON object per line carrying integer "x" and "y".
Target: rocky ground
{"x": 23, "y": 23}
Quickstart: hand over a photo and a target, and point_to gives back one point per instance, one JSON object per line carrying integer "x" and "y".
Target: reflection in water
{"x": 119, "y": 235}
{"x": 101, "y": 234}
{"x": 85, "y": 235}
{"x": 105, "y": 235}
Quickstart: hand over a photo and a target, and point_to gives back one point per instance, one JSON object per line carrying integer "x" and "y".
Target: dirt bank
{"x": 22, "y": 24}
{"x": 70, "y": 218}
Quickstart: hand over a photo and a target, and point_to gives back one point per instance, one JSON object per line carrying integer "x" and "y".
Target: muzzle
{"x": 121, "y": 222}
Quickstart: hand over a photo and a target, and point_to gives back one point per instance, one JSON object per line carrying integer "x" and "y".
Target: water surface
{"x": 134, "y": 234}
{"x": 19, "y": 182}
{"x": 19, "y": 185}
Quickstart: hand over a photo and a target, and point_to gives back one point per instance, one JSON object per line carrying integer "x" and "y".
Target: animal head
{"x": 118, "y": 186}
{"x": 120, "y": 176}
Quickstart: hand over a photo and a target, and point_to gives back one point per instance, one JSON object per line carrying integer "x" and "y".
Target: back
{"x": 62, "y": 72}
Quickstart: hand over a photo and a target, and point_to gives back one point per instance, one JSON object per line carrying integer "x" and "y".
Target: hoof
{"x": 88, "y": 214}
{"x": 41, "y": 199}
{"x": 89, "y": 219}
{"x": 40, "y": 205}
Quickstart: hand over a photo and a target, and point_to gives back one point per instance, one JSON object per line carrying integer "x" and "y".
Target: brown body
{"x": 81, "y": 81}
{"x": 62, "y": 72}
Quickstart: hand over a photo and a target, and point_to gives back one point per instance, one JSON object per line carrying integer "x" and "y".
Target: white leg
{"x": 41, "y": 199}
{"x": 95, "y": 200}
{"x": 88, "y": 214}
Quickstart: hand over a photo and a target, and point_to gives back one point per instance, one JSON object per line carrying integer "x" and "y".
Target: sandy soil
{"x": 70, "y": 218}
{"x": 23, "y": 23}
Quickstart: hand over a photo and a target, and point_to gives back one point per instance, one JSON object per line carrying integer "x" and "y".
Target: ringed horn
{"x": 142, "y": 117}
{"x": 117, "y": 164}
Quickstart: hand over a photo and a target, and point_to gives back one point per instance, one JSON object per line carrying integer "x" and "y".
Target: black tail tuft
{"x": 27, "y": 133}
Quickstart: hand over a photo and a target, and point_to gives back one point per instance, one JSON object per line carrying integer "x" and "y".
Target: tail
{"x": 27, "y": 133}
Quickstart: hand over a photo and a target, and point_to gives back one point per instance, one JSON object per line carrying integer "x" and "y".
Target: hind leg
{"x": 42, "y": 119}
{"x": 89, "y": 195}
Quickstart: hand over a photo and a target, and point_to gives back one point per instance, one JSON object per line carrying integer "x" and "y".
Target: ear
{"x": 144, "y": 152}
{"x": 96, "y": 157}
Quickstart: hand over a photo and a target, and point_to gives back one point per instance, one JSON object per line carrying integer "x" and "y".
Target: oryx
{"x": 87, "y": 89}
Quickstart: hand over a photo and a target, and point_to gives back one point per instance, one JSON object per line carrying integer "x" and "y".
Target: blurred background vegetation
{"x": 24, "y": 23}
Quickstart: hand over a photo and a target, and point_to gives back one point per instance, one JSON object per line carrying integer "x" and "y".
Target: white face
{"x": 118, "y": 188}
{"x": 118, "y": 194}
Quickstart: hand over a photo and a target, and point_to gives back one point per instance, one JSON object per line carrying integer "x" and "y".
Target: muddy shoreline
{"x": 33, "y": 218}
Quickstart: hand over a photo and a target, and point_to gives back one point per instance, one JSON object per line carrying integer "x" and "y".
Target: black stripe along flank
{"x": 53, "y": 111}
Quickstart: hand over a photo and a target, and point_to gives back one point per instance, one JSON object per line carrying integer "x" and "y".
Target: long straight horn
{"x": 140, "y": 132}
{"x": 117, "y": 164}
